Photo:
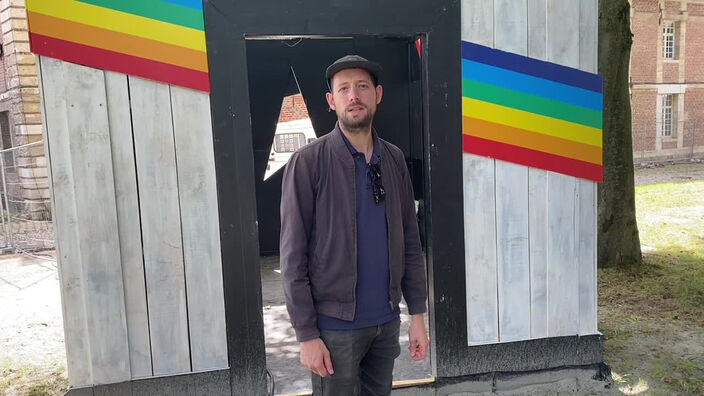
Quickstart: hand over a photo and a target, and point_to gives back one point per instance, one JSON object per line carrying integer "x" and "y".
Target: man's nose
{"x": 354, "y": 94}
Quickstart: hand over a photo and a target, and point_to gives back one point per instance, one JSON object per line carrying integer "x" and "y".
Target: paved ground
{"x": 31, "y": 327}
{"x": 669, "y": 172}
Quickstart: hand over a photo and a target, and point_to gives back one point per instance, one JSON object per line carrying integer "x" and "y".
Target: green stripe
{"x": 531, "y": 103}
{"x": 155, "y": 9}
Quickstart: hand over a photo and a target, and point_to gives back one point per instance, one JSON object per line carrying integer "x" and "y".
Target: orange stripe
{"x": 531, "y": 140}
{"x": 117, "y": 42}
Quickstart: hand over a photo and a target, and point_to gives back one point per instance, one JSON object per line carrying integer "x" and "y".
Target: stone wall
{"x": 19, "y": 100}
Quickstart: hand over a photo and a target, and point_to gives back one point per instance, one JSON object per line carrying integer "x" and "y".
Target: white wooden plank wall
{"x": 86, "y": 218}
{"x": 161, "y": 225}
{"x": 511, "y": 34}
{"x": 480, "y": 206}
{"x": 65, "y": 223}
{"x": 133, "y": 188}
{"x": 563, "y": 276}
{"x": 201, "y": 234}
{"x": 537, "y": 193}
{"x": 540, "y": 276}
{"x": 587, "y": 203}
{"x": 130, "y": 233}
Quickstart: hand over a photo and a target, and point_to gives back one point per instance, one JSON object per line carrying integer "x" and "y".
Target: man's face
{"x": 354, "y": 98}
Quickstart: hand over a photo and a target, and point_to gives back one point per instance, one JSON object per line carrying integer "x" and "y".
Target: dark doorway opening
{"x": 279, "y": 67}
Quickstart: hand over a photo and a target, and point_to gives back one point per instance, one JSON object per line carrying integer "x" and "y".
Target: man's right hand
{"x": 315, "y": 356}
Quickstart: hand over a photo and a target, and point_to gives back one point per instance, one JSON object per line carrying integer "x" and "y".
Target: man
{"x": 350, "y": 245}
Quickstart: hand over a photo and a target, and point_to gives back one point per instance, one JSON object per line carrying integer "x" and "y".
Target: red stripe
{"x": 532, "y": 158}
{"x": 114, "y": 61}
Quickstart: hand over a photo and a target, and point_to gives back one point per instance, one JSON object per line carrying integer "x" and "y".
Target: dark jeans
{"x": 363, "y": 360}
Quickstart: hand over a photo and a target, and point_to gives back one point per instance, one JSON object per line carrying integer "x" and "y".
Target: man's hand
{"x": 417, "y": 338}
{"x": 315, "y": 356}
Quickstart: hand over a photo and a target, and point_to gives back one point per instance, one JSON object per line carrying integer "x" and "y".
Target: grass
{"x": 652, "y": 317}
{"x": 32, "y": 380}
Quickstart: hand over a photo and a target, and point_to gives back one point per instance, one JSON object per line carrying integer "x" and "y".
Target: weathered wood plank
{"x": 537, "y": 192}
{"x": 161, "y": 226}
{"x": 563, "y": 277}
{"x": 537, "y": 219}
{"x": 130, "y": 233}
{"x": 65, "y": 218}
{"x": 585, "y": 240}
{"x": 563, "y": 32}
{"x": 511, "y": 34}
{"x": 588, "y": 30}
{"x": 477, "y": 22}
{"x": 563, "y": 301}
{"x": 81, "y": 93}
{"x": 537, "y": 20}
{"x": 587, "y": 190}
{"x": 480, "y": 206}
{"x": 511, "y": 26}
{"x": 201, "y": 234}
{"x": 480, "y": 250}
{"x": 512, "y": 251}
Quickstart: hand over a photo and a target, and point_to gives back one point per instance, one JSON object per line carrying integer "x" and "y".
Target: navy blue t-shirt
{"x": 372, "y": 291}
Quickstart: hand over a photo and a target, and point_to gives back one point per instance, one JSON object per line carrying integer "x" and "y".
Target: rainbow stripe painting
{"x": 162, "y": 40}
{"x": 531, "y": 112}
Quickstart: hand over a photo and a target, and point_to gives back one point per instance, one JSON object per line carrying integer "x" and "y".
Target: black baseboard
{"x": 203, "y": 383}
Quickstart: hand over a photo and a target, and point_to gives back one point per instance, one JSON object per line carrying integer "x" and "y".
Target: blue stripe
{"x": 531, "y": 85}
{"x": 195, "y": 4}
{"x": 533, "y": 67}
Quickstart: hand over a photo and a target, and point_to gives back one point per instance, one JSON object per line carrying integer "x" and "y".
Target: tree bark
{"x": 618, "y": 239}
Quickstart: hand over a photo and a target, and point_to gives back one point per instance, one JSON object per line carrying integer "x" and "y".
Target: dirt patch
{"x": 32, "y": 354}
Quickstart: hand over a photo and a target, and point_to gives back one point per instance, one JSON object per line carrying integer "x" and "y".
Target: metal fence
{"x": 685, "y": 141}
{"x": 25, "y": 206}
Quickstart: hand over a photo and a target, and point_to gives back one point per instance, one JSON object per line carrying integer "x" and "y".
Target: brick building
{"x": 667, "y": 79}
{"x": 20, "y": 118}
{"x": 293, "y": 108}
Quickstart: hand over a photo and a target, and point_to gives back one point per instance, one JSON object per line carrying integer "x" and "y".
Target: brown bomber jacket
{"x": 319, "y": 239}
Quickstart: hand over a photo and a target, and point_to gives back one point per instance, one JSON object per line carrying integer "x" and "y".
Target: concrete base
{"x": 591, "y": 379}
{"x": 205, "y": 383}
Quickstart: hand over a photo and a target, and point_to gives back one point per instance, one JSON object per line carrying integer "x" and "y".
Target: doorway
{"x": 281, "y": 68}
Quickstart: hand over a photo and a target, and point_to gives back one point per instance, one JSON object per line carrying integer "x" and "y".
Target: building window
{"x": 5, "y": 136}
{"x": 668, "y": 111}
{"x": 668, "y": 40}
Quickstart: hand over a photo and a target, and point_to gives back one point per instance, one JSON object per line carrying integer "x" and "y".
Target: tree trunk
{"x": 619, "y": 243}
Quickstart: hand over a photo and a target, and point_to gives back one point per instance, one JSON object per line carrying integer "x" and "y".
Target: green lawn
{"x": 653, "y": 317}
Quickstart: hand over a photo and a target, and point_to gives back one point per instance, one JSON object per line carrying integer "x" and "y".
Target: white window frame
{"x": 668, "y": 40}
{"x": 668, "y": 116}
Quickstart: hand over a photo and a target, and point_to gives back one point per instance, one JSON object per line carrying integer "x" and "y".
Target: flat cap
{"x": 353, "y": 62}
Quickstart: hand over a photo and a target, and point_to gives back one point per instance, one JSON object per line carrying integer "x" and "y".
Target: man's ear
{"x": 379, "y": 93}
{"x": 331, "y": 100}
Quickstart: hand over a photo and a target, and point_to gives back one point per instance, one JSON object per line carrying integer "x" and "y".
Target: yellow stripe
{"x": 531, "y": 122}
{"x": 120, "y": 22}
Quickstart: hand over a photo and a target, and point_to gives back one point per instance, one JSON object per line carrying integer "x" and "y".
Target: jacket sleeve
{"x": 414, "y": 283}
{"x": 297, "y": 205}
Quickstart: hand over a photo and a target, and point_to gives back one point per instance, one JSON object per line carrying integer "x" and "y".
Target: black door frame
{"x": 227, "y": 23}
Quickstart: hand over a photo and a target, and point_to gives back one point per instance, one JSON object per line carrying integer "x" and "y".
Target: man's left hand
{"x": 417, "y": 338}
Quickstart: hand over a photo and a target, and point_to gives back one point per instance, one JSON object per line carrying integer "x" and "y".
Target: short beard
{"x": 356, "y": 126}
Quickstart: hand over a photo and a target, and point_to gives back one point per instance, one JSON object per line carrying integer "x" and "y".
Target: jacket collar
{"x": 347, "y": 150}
